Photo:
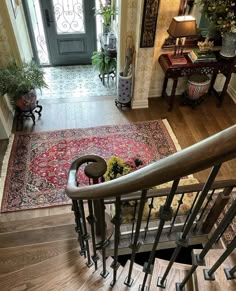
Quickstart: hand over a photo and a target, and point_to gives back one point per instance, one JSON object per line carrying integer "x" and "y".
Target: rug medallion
{"x": 39, "y": 162}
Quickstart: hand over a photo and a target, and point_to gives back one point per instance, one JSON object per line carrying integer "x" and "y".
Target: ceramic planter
{"x": 124, "y": 88}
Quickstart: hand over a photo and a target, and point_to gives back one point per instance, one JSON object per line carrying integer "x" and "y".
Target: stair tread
{"x": 35, "y": 236}
{"x": 176, "y": 274}
{"x": 14, "y": 259}
{"x": 37, "y": 222}
{"x": 36, "y": 276}
{"x": 220, "y": 282}
{"x": 70, "y": 278}
{"x": 97, "y": 282}
{"x": 137, "y": 276}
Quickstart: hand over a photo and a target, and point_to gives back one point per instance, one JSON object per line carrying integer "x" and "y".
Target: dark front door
{"x": 70, "y": 30}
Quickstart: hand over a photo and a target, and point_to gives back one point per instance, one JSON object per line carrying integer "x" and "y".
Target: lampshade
{"x": 182, "y": 26}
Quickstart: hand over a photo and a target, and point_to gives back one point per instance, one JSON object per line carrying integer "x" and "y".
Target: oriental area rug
{"x": 38, "y": 164}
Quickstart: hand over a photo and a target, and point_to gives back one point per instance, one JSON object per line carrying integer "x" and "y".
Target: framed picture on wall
{"x": 148, "y": 32}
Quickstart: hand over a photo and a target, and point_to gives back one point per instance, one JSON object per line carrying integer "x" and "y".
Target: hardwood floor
{"x": 189, "y": 125}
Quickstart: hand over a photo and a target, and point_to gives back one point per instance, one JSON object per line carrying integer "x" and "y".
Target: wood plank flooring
{"x": 189, "y": 125}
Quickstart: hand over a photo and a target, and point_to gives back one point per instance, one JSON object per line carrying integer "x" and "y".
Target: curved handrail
{"x": 212, "y": 151}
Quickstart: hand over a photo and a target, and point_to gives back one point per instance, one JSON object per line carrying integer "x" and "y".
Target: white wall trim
{"x": 137, "y": 104}
{"x": 232, "y": 92}
{"x": 6, "y": 117}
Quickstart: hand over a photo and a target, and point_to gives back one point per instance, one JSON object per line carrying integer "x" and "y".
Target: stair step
{"x": 37, "y": 222}
{"x": 220, "y": 282}
{"x": 17, "y": 258}
{"x": 176, "y": 274}
{"x": 97, "y": 282}
{"x": 137, "y": 276}
{"x": 36, "y": 276}
{"x": 72, "y": 277}
{"x": 35, "y": 236}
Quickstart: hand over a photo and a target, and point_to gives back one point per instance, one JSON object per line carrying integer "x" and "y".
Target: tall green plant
{"x": 102, "y": 62}
{"x": 17, "y": 80}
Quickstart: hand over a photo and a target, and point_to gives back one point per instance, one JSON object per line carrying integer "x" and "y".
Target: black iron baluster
{"x": 198, "y": 260}
{"x": 104, "y": 243}
{"x": 148, "y": 218}
{"x": 191, "y": 209}
{"x": 209, "y": 274}
{"x": 79, "y": 228}
{"x": 86, "y": 236}
{"x": 92, "y": 220}
{"x": 203, "y": 210}
{"x": 136, "y": 244}
{"x": 117, "y": 222}
{"x": 176, "y": 213}
{"x": 230, "y": 273}
{"x": 165, "y": 214}
{"x": 181, "y": 238}
{"x": 133, "y": 220}
{"x": 219, "y": 204}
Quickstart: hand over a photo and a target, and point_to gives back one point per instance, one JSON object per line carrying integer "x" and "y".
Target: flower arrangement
{"x": 117, "y": 167}
{"x": 205, "y": 46}
{"x": 106, "y": 11}
{"x": 221, "y": 13}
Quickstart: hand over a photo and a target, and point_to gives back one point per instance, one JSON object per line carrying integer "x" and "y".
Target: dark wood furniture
{"x": 222, "y": 65}
{"x": 110, "y": 53}
{"x": 29, "y": 112}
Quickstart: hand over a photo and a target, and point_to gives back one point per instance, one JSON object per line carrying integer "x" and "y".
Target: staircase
{"x": 43, "y": 254}
{"x": 80, "y": 251}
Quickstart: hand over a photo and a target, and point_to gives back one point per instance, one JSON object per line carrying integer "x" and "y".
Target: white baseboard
{"x": 232, "y": 93}
{"x": 6, "y": 117}
{"x": 138, "y": 104}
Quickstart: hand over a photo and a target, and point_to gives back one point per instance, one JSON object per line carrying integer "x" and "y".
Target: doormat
{"x": 39, "y": 162}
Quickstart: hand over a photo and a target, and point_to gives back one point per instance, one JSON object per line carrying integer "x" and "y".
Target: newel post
{"x": 95, "y": 171}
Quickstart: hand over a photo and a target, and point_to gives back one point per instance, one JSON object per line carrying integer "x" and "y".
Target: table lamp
{"x": 180, "y": 28}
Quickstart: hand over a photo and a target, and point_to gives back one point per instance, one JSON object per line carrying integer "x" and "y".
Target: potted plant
{"x": 20, "y": 82}
{"x": 106, "y": 11}
{"x": 222, "y": 15}
{"x": 104, "y": 63}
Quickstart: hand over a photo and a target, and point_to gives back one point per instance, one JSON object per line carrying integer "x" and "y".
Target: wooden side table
{"x": 224, "y": 66}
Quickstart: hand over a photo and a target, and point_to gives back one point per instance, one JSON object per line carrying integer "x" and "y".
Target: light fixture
{"x": 180, "y": 28}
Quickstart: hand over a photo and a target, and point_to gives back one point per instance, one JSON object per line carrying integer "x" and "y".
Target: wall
{"x": 5, "y": 42}
{"x": 6, "y": 117}
{"x": 14, "y": 43}
{"x": 20, "y": 31}
{"x": 148, "y": 74}
{"x": 232, "y": 88}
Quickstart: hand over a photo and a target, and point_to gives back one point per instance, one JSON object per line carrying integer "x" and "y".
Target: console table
{"x": 222, "y": 65}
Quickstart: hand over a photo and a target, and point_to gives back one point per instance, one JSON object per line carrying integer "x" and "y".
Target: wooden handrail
{"x": 214, "y": 150}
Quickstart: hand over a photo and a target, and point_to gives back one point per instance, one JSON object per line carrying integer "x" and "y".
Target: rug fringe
{"x": 172, "y": 135}
{"x": 3, "y": 171}
{"x": 175, "y": 140}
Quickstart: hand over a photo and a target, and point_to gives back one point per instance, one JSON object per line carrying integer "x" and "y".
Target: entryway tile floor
{"x": 75, "y": 82}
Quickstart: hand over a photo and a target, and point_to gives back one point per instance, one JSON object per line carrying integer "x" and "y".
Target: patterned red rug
{"x": 39, "y": 162}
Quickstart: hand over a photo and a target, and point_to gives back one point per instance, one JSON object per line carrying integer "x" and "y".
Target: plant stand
{"x": 27, "y": 113}
{"x": 103, "y": 77}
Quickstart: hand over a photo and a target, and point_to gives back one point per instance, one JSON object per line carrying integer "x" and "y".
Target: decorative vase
{"x": 228, "y": 45}
{"x": 124, "y": 88}
{"x": 27, "y": 101}
{"x": 106, "y": 28}
{"x": 197, "y": 86}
